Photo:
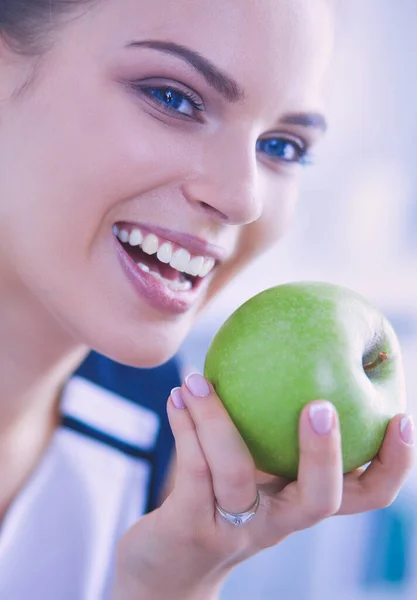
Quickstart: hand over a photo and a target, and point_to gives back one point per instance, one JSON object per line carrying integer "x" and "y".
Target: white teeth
{"x": 207, "y": 267}
{"x": 123, "y": 236}
{"x": 164, "y": 253}
{"x": 136, "y": 237}
{"x": 175, "y": 286}
{"x": 150, "y": 244}
{"x": 144, "y": 267}
{"x": 178, "y": 286}
{"x": 195, "y": 265}
{"x": 186, "y": 285}
{"x": 180, "y": 260}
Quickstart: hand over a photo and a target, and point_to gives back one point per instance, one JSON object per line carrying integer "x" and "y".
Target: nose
{"x": 224, "y": 183}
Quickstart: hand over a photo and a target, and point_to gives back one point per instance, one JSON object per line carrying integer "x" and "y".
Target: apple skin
{"x": 299, "y": 342}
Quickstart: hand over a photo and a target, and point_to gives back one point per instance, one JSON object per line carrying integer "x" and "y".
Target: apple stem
{"x": 382, "y": 357}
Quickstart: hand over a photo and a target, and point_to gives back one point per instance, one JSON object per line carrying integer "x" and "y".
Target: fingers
{"x": 231, "y": 465}
{"x": 320, "y": 473}
{"x": 318, "y": 490}
{"x": 214, "y": 462}
{"x": 193, "y": 484}
{"x": 378, "y": 486}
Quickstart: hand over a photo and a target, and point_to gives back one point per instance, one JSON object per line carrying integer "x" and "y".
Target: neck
{"x": 37, "y": 355}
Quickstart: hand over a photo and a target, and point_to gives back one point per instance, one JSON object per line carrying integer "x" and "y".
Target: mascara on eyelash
{"x": 304, "y": 157}
{"x": 149, "y": 89}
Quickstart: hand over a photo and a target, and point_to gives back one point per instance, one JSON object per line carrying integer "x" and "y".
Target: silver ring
{"x": 241, "y": 518}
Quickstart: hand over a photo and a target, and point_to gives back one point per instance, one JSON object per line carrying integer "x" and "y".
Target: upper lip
{"x": 195, "y": 245}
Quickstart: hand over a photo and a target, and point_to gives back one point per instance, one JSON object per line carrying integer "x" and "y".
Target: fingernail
{"x": 321, "y": 417}
{"x": 197, "y": 385}
{"x": 407, "y": 430}
{"x": 176, "y": 397}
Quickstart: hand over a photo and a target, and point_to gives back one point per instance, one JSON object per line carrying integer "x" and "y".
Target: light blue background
{"x": 357, "y": 226}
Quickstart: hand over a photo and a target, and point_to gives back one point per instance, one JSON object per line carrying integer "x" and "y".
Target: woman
{"x": 148, "y": 151}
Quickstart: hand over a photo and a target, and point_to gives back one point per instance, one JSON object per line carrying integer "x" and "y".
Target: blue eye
{"x": 184, "y": 103}
{"x": 284, "y": 150}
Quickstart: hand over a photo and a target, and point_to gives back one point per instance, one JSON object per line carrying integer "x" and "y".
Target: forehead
{"x": 264, "y": 44}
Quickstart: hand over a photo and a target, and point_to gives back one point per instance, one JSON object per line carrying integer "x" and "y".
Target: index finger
{"x": 231, "y": 464}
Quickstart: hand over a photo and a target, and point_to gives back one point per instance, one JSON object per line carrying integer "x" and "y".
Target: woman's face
{"x": 179, "y": 126}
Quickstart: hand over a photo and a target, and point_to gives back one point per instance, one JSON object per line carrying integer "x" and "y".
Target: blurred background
{"x": 356, "y": 226}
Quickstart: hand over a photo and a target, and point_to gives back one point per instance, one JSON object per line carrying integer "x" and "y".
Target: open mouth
{"x": 170, "y": 263}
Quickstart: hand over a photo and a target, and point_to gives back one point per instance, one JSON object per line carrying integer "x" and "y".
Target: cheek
{"x": 277, "y": 216}
{"x": 258, "y": 237}
{"x": 79, "y": 174}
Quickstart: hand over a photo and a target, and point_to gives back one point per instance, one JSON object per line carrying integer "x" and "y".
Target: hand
{"x": 185, "y": 548}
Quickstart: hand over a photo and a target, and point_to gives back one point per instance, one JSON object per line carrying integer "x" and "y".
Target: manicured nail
{"x": 321, "y": 417}
{"x": 197, "y": 385}
{"x": 176, "y": 397}
{"x": 407, "y": 430}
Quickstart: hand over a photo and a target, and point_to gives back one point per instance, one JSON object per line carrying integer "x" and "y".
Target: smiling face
{"x": 179, "y": 127}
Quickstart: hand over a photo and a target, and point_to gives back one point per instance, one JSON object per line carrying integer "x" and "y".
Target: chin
{"x": 145, "y": 350}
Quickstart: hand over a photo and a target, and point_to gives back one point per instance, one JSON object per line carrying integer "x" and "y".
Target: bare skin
{"x": 83, "y": 146}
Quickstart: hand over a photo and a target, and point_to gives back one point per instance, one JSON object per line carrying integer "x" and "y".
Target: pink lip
{"x": 195, "y": 245}
{"x": 154, "y": 291}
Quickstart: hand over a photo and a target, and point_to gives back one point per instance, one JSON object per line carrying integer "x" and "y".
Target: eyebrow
{"x": 315, "y": 120}
{"x": 221, "y": 82}
{"x": 215, "y": 77}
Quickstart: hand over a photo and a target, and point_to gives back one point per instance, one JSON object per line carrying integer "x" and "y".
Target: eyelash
{"x": 302, "y": 154}
{"x": 301, "y": 150}
{"x": 152, "y": 91}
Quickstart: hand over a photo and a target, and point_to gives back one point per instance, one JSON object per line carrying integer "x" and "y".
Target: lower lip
{"x": 154, "y": 291}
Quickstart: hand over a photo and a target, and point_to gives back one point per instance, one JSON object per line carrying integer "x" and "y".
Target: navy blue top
{"x": 147, "y": 387}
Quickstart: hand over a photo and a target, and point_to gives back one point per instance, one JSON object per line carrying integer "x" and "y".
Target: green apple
{"x": 299, "y": 342}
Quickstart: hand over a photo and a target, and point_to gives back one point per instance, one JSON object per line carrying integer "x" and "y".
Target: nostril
{"x": 213, "y": 211}
{"x": 193, "y": 192}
